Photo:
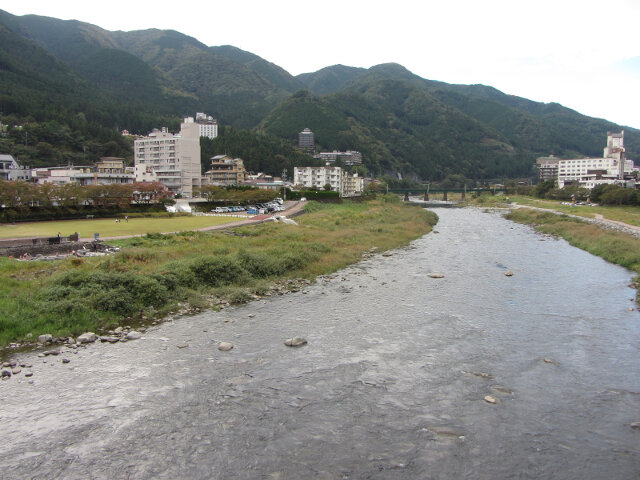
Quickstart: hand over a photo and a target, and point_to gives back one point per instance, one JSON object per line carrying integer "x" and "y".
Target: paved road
{"x": 291, "y": 208}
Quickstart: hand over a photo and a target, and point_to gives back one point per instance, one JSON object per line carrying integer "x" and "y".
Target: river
{"x": 391, "y": 385}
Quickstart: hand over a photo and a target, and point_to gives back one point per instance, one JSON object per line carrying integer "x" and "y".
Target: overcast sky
{"x": 584, "y": 54}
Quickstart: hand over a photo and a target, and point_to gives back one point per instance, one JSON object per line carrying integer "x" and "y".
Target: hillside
{"x": 73, "y": 85}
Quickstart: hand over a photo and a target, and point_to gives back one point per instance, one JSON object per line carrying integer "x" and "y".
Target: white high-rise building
{"x": 172, "y": 159}
{"x": 589, "y": 172}
{"x": 206, "y": 125}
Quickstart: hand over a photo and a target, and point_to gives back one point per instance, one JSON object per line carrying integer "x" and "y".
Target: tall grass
{"x": 159, "y": 271}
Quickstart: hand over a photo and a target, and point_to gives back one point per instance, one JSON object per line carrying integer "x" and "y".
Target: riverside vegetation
{"x": 156, "y": 274}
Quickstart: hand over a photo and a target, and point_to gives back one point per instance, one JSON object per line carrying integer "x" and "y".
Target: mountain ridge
{"x": 404, "y": 124}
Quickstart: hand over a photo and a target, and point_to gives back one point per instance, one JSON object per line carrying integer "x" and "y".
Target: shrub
{"x": 260, "y": 264}
{"x": 217, "y": 271}
{"x": 117, "y": 300}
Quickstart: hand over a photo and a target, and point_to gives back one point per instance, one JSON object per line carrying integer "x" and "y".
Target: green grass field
{"x": 107, "y": 227}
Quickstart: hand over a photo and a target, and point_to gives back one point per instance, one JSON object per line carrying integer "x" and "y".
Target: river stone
{"x": 118, "y": 331}
{"x": 490, "y": 399}
{"x": 635, "y": 425}
{"x": 5, "y": 374}
{"x": 88, "y": 337}
{"x": 436, "y": 275}
{"x": 508, "y": 273}
{"x": 65, "y": 360}
{"x": 46, "y": 338}
{"x": 295, "y": 342}
{"x": 548, "y": 360}
{"x": 500, "y": 389}
{"x": 28, "y": 374}
{"x": 225, "y": 346}
{"x": 53, "y": 352}
{"x": 133, "y": 335}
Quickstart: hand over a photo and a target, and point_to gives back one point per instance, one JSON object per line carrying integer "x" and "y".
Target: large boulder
{"x": 88, "y": 337}
{"x": 295, "y": 342}
{"x": 133, "y": 335}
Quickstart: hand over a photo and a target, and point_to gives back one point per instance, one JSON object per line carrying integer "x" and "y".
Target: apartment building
{"x": 171, "y": 159}
{"x": 348, "y": 185}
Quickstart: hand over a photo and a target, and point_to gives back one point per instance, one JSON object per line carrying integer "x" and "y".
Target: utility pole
{"x": 284, "y": 184}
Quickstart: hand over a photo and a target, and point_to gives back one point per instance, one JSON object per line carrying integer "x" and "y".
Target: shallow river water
{"x": 390, "y": 386}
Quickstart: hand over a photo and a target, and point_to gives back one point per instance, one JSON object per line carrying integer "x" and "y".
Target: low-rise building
{"x": 59, "y": 175}
{"x": 107, "y": 171}
{"x": 348, "y": 158}
{"x": 348, "y": 185}
{"x": 226, "y": 171}
{"x": 11, "y": 170}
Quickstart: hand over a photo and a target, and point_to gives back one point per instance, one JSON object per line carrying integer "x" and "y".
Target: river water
{"x": 390, "y": 386}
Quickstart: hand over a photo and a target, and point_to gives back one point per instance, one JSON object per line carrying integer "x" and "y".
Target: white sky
{"x": 583, "y": 54}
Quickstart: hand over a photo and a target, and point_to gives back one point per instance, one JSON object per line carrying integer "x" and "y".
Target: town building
{"x": 348, "y": 185}
{"x": 548, "y": 168}
{"x": 107, "y": 171}
{"x": 348, "y": 158}
{"x": 226, "y": 171}
{"x": 306, "y": 141}
{"x": 60, "y": 175}
{"x": 352, "y": 185}
{"x": 174, "y": 159}
{"x": 612, "y": 168}
{"x": 206, "y": 125}
{"x": 11, "y": 170}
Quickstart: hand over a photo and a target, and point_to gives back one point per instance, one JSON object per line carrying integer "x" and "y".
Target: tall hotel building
{"x": 171, "y": 159}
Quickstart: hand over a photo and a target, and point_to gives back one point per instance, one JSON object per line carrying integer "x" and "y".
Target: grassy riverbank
{"x": 620, "y": 213}
{"x": 107, "y": 227}
{"x": 614, "y": 247}
{"x": 155, "y": 274}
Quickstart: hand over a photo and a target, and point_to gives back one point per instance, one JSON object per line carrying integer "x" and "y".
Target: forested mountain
{"x": 71, "y": 86}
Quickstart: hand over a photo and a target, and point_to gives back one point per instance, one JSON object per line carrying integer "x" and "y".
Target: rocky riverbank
{"x": 50, "y": 346}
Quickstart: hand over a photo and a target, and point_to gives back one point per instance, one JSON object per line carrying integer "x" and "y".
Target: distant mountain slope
{"x": 271, "y": 72}
{"x": 399, "y": 128}
{"x": 92, "y": 82}
{"x": 330, "y": 79}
